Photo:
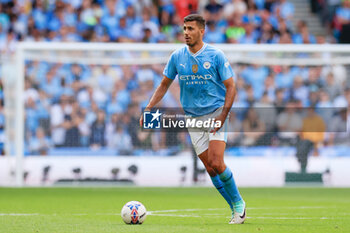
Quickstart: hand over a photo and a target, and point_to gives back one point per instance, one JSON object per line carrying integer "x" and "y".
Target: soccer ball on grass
{"x": 134, "y": 212}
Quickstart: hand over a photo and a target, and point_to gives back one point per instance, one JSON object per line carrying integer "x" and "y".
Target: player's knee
{"x": 216, "y": 164}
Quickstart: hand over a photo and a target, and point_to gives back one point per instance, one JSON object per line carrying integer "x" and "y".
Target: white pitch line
{"x": 107, "y": 213}
{"x": 164, "y": 213}
{"x": 18, "y": 214}
{"x": 182, "y": 210}
{"x": 173, "y": 213}
{"x": 249, "y": 208}
{"x": 176, "y": 215}
{"x": 291, "y": 218}
{"x": 185, "y": 216}
{"x": 271, "y": 215}
{"x": 290, "y": 207}
{"x": 280, "y": 218}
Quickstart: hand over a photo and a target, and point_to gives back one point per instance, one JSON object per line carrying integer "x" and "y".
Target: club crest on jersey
{"x": 206, "y": 65}
{"x": 194, "y": 68}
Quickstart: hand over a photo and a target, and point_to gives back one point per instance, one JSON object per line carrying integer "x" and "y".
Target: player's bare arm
{"x": 158, "y": 95}
{"x": 229, "y": 98}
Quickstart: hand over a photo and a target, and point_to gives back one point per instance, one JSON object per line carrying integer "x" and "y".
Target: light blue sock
{"x": 230, "y": 186}
{"x": 220, "y": 187}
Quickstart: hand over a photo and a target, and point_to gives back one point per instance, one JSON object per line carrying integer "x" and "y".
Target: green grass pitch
{"x": 173, "y": 210}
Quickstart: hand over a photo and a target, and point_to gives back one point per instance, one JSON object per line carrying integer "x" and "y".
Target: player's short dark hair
{"x": 195, "y": 17}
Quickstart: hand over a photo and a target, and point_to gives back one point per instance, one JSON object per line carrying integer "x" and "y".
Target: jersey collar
{"x": 198, "y": 52}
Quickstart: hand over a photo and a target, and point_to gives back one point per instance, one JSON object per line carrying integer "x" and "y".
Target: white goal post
{"x": 142, "y": 54}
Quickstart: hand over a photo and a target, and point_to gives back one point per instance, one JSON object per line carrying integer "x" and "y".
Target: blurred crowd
{"x": 229, "y": 21}
{"x": 91, "y": 106}
{"x": 335, "y": 16}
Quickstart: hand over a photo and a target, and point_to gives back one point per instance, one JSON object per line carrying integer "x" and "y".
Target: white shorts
{"x": 200, "y": 138}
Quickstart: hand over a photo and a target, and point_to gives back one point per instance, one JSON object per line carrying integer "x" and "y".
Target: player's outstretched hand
{"x": 141, "y": 117}
{"x": 220, "y": 118}
{"x": 147, "y": 109}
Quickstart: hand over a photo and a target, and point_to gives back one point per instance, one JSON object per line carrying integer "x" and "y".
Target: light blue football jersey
{"x": 201, "y": 77}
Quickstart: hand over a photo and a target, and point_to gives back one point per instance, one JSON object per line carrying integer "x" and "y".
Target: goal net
{"x": 65, "y": 99}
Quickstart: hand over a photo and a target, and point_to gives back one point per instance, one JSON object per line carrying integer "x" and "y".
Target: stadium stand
{"x": 85, "y": 106}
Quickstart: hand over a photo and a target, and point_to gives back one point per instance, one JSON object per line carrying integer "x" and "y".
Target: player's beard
{"x": 191, "y": 44}
{"x": 194, "y": 41}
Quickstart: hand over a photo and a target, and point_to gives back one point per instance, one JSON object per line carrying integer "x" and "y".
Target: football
{"x": 134, "y": 212}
